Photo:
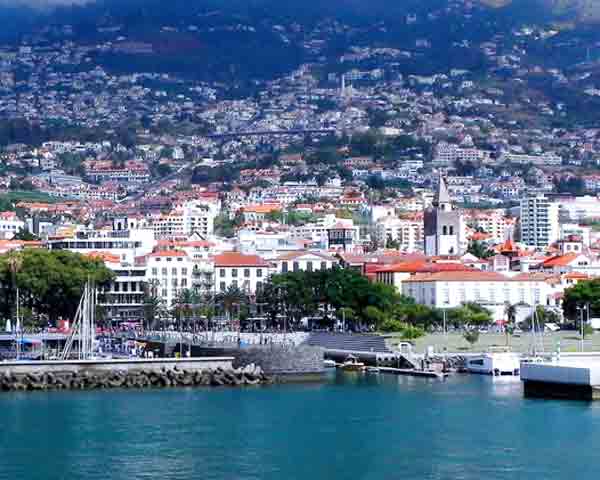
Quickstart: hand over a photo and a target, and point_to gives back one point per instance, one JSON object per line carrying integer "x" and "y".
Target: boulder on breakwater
{"x": 175, "y": 377}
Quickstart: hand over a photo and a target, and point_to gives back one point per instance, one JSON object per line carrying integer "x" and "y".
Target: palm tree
{"x": 510, "y": 311}
{"x": 15, "y": 262}
{"x": 186, "y": 303}
{"x": 231, "y": 297}
{"x": 154, "y": 306}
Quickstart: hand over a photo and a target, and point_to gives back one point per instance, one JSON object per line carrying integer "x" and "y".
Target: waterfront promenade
{"x": 455, "y": 342}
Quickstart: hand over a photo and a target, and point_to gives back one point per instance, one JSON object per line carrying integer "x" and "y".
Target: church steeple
{"x": 441, "y": 199}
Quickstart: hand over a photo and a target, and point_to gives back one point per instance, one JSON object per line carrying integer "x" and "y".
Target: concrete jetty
{"x": 570, "y": 376}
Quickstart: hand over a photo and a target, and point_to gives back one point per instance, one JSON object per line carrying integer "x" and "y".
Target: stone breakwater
{"x": 165, "y": 377}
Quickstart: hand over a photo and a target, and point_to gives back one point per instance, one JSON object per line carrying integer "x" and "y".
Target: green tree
{"x": 471, "y": 336}
{"x": 584, "y": 293}
{"x": 230, "y": 299}
{"x": 50, "y": 282}
{"x": 25, "y": 235}
{"x": 480, "y": 250}
{"x": 154, "y": 307}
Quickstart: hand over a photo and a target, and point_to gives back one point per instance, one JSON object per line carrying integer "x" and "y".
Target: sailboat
{"x": 84, "y": 326}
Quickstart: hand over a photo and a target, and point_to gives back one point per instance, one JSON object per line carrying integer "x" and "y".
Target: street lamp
{"x": 446, "y": 304}
{"x": 581, "y": 310}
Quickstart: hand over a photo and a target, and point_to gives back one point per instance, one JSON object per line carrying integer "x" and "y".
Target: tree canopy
{"x": 587, "y": 292}
{"x": 50, "y": 282}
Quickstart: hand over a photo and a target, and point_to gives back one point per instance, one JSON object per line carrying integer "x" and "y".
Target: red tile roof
{"x": 425, "y": 266}
{"x": 236, "y": 259}
{"x": 560, "y": 260}
{"x": 168, "y": 253}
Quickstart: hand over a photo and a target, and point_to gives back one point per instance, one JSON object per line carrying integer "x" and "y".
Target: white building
{"x": 408, "y": 233}
{"x": 124, "y": 244}
{"x": 578, "y": 208}
{"x": 169, "y": 272}
{"x": 10, "y": 224}
{"x": 306, "y": 261}
{"x": 195, "y": 217}
{"x": 491, "y": 290}
{"x": 246, "y": 272}
{"x": 539, "y": 221}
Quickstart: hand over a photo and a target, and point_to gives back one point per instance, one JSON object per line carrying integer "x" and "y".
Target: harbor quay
{"x": 568, "y": 376}
{"x": 127, "y": 373}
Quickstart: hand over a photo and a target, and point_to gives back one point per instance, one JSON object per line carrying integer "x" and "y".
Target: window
{"x": 323, "y": 265}
{"x": 234, "y": 283}
{"x": 184, "y": 271}
{"x": 444, "y": 230}
{"x": 125, "y": 287}
{"x": 247, "y": 272}
{"x": 184, "y": 282}
{"x": 164, "y": 271}
{"x": 154, "y": 272}
{"x": 222, "y": 286}
{"x": 222, "y": 272}
{"x": 164, "y": 292}
{"x": 174, "y": 271}
{"x": 174, "y": 282}
{"x": 117, "y": 286}
{"x": 284, "y": 267}
{"x": 309, "y": 266}
{"x": 234, "y": 272}
{"x": 259, "y": 273}
{"x": 296, "y": 266}
{"x": 451, "y": 230}
{"x": 169, "y": 259}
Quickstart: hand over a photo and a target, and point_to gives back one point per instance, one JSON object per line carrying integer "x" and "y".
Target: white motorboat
{"x": 352, "y": 364}
{"x": 372, "y": 369}
{"x": 495, "y": 363}
{"x": 329, "y": 363}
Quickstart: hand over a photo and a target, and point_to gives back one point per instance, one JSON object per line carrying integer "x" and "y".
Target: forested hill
{"x": 237, "y": 42}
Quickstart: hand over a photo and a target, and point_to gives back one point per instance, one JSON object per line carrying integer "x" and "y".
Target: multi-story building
{"x": 123, "y": 298}
{"x": 304, "y": 261}
{"x": 408, "y": 233}
{"x": 195, "y": 217}
{"x": 10, "y": 224}
{"x": 494, "y": 222}
{"x": 127, "y": 245}
{"x": 539, "y": 221}
{"x": 103, "y": 170}
{"x": 491, "y": 290}
{"x": 169, "y": 272}
{"x": 246, "y": 272}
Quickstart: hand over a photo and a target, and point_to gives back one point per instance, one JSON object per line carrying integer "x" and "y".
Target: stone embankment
{"x": 175, "y": 377}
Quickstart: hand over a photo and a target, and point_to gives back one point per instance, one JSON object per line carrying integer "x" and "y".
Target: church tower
{"x": 442, "y": 225}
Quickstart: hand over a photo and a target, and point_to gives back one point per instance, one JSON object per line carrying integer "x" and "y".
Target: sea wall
{"x": 127, "y": 373}
{"x": 132, "y": 378}
{"x": 282, "y": 361}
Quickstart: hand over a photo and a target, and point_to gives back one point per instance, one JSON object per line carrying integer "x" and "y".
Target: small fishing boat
{"x": 352, "y": 364}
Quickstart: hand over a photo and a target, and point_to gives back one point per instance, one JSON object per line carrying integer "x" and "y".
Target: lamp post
{"x": 581, "y": 310}
{"x": 446, "y": 303}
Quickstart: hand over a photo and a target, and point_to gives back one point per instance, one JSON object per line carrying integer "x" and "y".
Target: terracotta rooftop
{"x": 236, "y": 259}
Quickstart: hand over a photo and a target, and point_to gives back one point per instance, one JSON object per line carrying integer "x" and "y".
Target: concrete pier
{"x": 572, "y": 376}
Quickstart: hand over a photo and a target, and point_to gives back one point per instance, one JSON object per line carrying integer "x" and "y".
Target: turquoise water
{"x": 353, "y": 427}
